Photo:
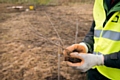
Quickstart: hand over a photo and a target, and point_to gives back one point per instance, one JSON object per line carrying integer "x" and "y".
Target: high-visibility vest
{"x": 107, "y": 38}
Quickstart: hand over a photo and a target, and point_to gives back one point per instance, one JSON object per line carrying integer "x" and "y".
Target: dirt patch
{"x": 55, "y": 77}
{"x": 26, "y": 52}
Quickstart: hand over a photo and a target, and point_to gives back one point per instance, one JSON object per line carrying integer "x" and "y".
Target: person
{"x": 99, "y": 51}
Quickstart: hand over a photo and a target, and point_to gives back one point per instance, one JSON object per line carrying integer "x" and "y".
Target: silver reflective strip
{"x": 97, "y": 53}
{"x": 108, "y": 34}
{"x": 97, "y": 33}
{"x": 111, "y": 35}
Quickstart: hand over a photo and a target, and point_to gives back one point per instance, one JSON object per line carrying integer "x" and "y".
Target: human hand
{"x": 75, "y": 48}
{"x": 81, "y": 48}
{"x": 87, "y": 61}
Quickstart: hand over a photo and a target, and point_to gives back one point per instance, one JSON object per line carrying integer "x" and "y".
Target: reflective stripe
{"x": 97, "y": 53}
{"x": 97, "y": 33}
{"x": 108, "y": 34}
{"x": 111, "y": 35}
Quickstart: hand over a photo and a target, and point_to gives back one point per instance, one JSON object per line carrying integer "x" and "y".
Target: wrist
{"x": 83, "y": 44}
{"x": 100, "y": 59}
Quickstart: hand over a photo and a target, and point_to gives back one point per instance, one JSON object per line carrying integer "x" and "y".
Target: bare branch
{"x": 43, "y": 37}
{"x": 54, "y": 29}
{"x": 76, "y": 34}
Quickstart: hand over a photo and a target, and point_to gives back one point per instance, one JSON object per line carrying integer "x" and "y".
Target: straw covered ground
{"x": 26, "y": 51}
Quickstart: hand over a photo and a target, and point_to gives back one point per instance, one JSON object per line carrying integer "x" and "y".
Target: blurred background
{"x": 31, "y": 32}
{"x": 44, "y": 2}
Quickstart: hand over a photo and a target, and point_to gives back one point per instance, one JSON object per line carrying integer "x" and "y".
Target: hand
{"x": 87, "y": 61}
{"x": 75, "y": 48}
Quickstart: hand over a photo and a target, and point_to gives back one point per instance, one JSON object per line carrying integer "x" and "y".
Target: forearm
{"x": 112, "y": 60}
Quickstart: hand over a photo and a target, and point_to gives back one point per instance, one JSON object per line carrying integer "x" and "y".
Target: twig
{"x": 59, "y": 51}
{"x": 45, "y": 38}
{"x": 76, "y": 34}
{"x": 54, "y": 29}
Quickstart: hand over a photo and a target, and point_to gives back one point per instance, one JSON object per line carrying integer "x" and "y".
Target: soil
{"x": 28, "y": 38}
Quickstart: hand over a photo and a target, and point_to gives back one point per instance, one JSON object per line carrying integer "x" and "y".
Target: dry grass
{"x": 46, "y": 2}
{"x": 25, "y": 56}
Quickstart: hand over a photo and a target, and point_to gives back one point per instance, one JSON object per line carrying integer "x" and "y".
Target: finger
{"x": 76, "y": 55}
{"x": 81, "y": 48}
{"x": 69, "y": 50}
{"x": 74, "y": 64}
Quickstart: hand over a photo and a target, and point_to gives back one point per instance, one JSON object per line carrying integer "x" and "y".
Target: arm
{"x": 112, "y": 60}
{"x": 90, "y": 60}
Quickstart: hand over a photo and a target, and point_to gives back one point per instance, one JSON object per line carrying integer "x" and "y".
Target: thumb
{"x": 75, "y": 55}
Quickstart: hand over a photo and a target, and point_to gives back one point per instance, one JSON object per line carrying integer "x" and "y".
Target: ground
{"x": 28, "y": 38}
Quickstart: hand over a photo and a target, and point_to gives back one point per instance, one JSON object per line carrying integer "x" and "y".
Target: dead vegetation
{"x": 26, "y": 56}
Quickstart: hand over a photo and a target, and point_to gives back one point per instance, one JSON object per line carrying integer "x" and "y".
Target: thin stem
{"x": 45, "y": 38}
{"x": 76, "y": 34}
{"x": 54, "y": 29}
{"x": 59, "y": 50}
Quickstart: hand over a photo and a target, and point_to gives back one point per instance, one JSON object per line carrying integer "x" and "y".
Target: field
{"x": 28, "y": 38}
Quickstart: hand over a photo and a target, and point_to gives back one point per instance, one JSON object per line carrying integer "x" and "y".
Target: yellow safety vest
{"x": 107, "y": 38}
